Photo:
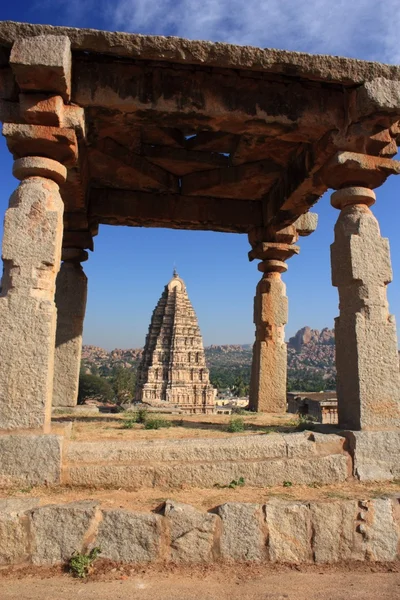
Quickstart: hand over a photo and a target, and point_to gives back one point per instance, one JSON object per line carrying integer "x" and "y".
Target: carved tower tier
{"x": 173, "y": 369}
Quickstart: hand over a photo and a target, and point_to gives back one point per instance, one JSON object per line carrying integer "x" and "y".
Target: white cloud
{"x": 360, "y": 28}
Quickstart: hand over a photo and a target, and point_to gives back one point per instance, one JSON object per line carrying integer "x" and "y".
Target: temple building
{"x": 173, "y": 369}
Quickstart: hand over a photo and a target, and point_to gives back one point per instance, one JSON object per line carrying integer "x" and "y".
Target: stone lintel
{"x": 352, "y": 169}
{"x": 346, "y": 71}
{"x": 43, "y": 64}
{"x": 124, "y": 207}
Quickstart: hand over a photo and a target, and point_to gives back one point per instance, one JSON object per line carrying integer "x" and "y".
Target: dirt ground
{"x": 103, "y": 426}
{"x": 146, "y": 500}
{"x": 236, "y": 582}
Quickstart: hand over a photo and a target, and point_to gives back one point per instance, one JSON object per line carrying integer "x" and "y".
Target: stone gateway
{"x": 173, "y": 369}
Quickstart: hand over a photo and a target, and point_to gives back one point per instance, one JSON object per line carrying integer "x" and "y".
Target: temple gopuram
{"x": 173, "y": 369}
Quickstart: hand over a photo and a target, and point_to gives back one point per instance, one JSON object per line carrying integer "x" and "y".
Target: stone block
{"x": 378, "y": 94}
{"x": 130, "y": 537}
{"x": 191, "y": 532}
{"x": 60, "y": 530}
{"x": 306, "y": 223}
{"x": 375, "y": 454}
{"x": 243, "y": 536}
{"x": 334, "y": 531}
{"x": 58, "y": 143}
{"x": 38, "y": 109}
{"x": 14, "y": 532}
{"x": 43, "y": 64}
{"x": 30, "y": 459}
{"x": 289, "y": 531}
{"x": 378, "y": 527}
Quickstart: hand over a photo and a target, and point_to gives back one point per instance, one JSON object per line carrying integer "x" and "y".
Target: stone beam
{"x": 365, "y": 146}
{"x": 128, "y": 207}
{"x": 206, "y": 99}
{"x": 115, "y": 166}
{"x": 250, "y": 180}
{"x": 345, "y": 71}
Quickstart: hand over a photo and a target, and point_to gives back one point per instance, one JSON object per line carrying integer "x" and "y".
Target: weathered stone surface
{"x": 43, "y": 63}
{"x": 14, "y": 533}
{"x": 306, "y": 224}
{"x": 379, "y": 94}
{"x": 289, "y": 531}
{"x": 70, "y": 298}
{"x": 368, "y": 377}
{"x": 31, "y": 254}
{"x": 268, "y": 376}
{"x": 326, "y": 469}
{"x": 243, "y": 533}
{"x": 334, "y": 536}
{"x": 130, "y": 537}
{"x": 38, "y": 109}
{"x": 58, "y": 530}
{"x": 381, "y": 536}
{"x": 304, "y": 444}
{"x": 173, "y": 369}
{"x": 171, "y": 49}
{"x": 37, "y": 166}
{"x": 376, "y": 454}
{"x": 191, "y": 532}
{"x": 58, "y": 143}
{"x": 30, "y": 459}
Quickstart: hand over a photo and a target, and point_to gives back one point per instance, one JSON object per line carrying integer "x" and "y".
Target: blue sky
{"x": 130, "y": 266}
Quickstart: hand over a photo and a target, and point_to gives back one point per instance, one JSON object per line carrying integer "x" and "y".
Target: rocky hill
{"x": 311, "y": 360}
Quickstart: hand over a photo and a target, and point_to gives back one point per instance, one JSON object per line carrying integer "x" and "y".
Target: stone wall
{"x": 278, "y": 531}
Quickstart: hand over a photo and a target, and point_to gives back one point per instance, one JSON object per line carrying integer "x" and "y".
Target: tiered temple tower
{"x": 173, "y": 368}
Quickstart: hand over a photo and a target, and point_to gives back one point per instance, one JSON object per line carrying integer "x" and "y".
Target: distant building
{"x": 173, "y": 370}
{"x": 321, "y": 406}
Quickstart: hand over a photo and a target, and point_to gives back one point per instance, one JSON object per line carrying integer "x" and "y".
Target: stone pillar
{"x": 33, "y": 229}
{"x": 269, "y": 366}
{"x": 368, "y": 379}
{"x": 71, "y": 293}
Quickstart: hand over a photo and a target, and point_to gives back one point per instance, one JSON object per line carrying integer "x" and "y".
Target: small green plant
{"x": 232, "y": 485}
{"x": 237, "y": 410}
{"x": 156, "y": 423}
{"x": 130, "y": 422}
{"x": 287, "y": 484}
{"x": 306, "y": 422}
{"x": 141, "y": 415}
{"x": 236, "y": 483}
{"x": 236, "y": 425}
{"x": 79, "y": 564}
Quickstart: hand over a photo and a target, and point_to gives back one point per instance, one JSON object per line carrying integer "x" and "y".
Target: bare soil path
{"x": 237, "y": 582}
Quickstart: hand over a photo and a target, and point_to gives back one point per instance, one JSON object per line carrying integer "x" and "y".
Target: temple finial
{"x": 175, "y": 273}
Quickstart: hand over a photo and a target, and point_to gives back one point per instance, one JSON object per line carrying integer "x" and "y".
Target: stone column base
{"x": 375, "y": 454}
{"x": 30, "y": 459}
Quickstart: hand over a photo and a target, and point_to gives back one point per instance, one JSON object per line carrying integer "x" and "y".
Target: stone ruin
{"x": 173, "y": 371}
{"x": 122, "y": 129}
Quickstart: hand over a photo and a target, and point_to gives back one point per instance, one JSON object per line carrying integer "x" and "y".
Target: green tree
{"x": 123, "y": 382}
{"x": 92, "y": 386}
{"x": 240, "y": 389}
